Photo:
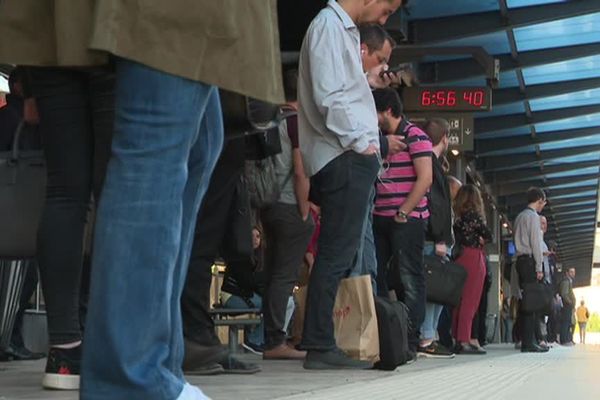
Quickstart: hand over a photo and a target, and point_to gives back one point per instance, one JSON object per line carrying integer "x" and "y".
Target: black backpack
{"x": 394, "y": 327}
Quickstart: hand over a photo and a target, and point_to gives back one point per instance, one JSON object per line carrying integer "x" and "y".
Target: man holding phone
{"x": 339, "y": 139}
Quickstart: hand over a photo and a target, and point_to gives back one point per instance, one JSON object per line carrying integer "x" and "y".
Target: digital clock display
{"x": 449, "y": 99}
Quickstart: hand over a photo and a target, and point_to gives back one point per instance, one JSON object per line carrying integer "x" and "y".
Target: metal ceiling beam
{"x": 505, "y": 189}
{"x": 519, "y": 201}
{"x": 578, "y": 229}
{"x": 497, "y": 144}
{"x": 576, "y": 224}
{"x": 579, "y": 218}
{"x": 491, "y": 124}
{"x": 557, "y": 216}
{"x": 515, "y": 95}
{"x": 577, "y": 245}
{"x": 573, "y": 240}
{"x": 454, "y": 70}
{"x": 534, "y": 172}
{"x": 516, "y": 161}
{"x": 456, "y": 27}
{"x": 569, "y": 210}
{"x": 560, "y": 203}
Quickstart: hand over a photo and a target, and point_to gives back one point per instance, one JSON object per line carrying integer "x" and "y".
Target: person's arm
{"x": 330, "y": 83}
{"x": 421, "y": 152}
{"x": 301, "y": 184}
{"x": 424, "y": 178}
{"x": 535, "y": 241}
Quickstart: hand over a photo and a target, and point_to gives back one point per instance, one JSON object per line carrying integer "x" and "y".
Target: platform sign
{"x": 462, "y": 133}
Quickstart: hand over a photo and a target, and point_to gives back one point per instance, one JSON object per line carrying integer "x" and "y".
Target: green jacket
{"x": 233, "y": 44}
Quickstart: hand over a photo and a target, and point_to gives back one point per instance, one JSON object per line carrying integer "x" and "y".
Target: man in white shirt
{"x": 339, "y": 140}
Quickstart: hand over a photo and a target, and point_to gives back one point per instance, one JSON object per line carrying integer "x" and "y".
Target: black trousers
{"x": 212, "y": 239}
{"x": 404, "y": 275}
{"x": 76, "y": 109}
{"x": 343, "y": 188}
{"x": 529, "y": 322}
{"x": 566, "y": 316}
{"x": 287, "y": 238}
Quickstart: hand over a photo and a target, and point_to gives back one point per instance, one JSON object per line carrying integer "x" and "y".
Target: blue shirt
{"x": 337, "y": 111}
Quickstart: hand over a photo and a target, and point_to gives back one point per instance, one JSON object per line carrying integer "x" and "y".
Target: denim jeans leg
{"x": 159, "y": 168}
{"x": 432, "y": 310}
{"x": 365, "y": 262}
{"x": 344, "y": 187}
{"x": 255, "y": 335}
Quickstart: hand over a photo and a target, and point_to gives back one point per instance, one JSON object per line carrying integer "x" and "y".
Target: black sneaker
{"x": 333, "y": 359}
{"x": 253, "y": 348}
{"x": 435, "y": 350}
{"x": 62, "y": 369}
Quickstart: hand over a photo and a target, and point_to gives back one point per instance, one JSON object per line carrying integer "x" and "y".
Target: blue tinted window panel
{"x": 518, "y": 150}
{"x": 576, "y": 184}
{"x": 583, "y": 98}
{"x": 525, "y": 3}
{"x": 493, "y": 43}
{"x": 580, "y": 68}
{"x": 565, "y": 144}
{"x": 574, "y": 159}
{"x": 584, "y": 121}
{"x": 504, "y": 133}
{"x": 505, "y": 109}
{"x": 574, "y": 195}
{"x": 432, "y": 9}
{"x": 575, "y": 172}
{"x": 560, "y": 33}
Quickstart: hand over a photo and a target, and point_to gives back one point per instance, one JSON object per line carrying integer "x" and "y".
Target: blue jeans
{"x": 432, "y": 310}
{"x": 365, "y": 262}
{"x": 254, "y": 335}
{"x": 168, "y": 136}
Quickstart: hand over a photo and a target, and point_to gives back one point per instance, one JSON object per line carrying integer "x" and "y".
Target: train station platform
{"x": 563, "y": 373}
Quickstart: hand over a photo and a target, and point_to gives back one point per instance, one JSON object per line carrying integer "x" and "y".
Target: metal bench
{"x": 222, "y": 317}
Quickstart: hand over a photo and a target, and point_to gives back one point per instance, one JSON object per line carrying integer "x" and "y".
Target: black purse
{"x": 444, "y": 281}
{"x": 22, "y": 196}
{"x": 537, "y": 298}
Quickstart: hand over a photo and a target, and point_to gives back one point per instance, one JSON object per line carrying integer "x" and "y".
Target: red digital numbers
{"x": 440, "y": 98}
{"x": 450, "y": 98}
{"x": 474, "y": 97}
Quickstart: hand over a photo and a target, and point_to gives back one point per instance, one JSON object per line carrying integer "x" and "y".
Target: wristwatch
{"x": 402, "y": 214}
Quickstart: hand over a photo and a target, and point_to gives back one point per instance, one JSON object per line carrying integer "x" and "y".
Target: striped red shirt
{"x": 399, "y": 177}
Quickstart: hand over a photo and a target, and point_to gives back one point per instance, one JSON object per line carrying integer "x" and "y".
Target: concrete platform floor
{"x": 563, "y": 373}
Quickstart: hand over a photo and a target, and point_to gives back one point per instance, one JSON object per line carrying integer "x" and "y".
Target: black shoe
{"x": 62, "y": 369}
{"x": 253, "y": 348}
{"x": 13, "y": 353}
{"x": 534, "y": 348}
{"x": 199, "y": 357}
{"x": 206, "y": 369}
{"x": 435, "y": 350}
{"x": 333, "y": 359}
{"x": 470, "y": 350}
{"x": 232, "y": 365}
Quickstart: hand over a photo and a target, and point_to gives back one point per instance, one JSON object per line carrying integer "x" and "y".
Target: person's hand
{"x": 395, "y": 144}
{"x": 372, "y": 149}
{"x": 539, "y": 276}
{"x": 379, "y": 78}
{"x": 441, "y": 249}
{"x": 315, "y": 208}
{"x": 400, "y": 218}
{"x": 30, "y": 111}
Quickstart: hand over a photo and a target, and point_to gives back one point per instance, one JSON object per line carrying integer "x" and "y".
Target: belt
{"x": 525, "y": 255}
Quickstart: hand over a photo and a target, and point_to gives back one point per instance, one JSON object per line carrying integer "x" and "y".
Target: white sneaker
{"x": 190, "y": 392}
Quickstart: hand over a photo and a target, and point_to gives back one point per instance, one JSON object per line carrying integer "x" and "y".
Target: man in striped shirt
{"x": 401, "y": 212}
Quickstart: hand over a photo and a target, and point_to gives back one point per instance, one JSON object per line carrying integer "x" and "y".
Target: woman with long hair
{"x": 471, "y": 235}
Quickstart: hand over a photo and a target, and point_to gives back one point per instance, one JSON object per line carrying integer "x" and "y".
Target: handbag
{"x": 22, "y": 196}
{"x": 537, "y": 298}
{"x": 444, "y": 281}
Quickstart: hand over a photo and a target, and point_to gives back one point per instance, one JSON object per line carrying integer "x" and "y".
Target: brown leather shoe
{"x": 283, "y": 352}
